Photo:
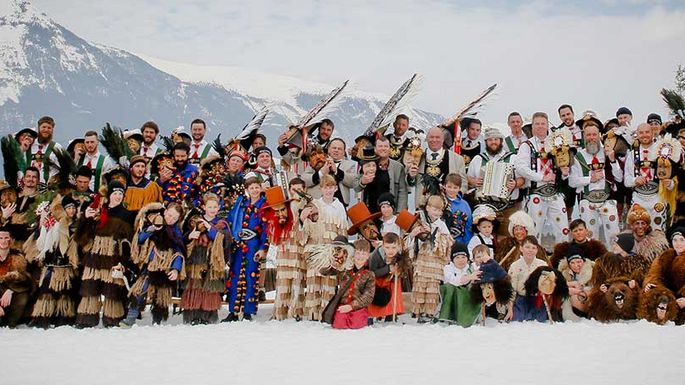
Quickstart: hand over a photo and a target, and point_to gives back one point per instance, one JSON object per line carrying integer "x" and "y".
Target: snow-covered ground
{"x": 271, "y": 352}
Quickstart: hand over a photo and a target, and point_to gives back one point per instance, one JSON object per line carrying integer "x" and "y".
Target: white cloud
{"x": 541, "y": 56}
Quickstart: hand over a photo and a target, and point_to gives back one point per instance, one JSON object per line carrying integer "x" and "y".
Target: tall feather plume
{"x": 471, "y": 108}
{"x": 66, "y": 168}
{"x": 251, "y": 129}
{"x": 13, "y": 159}
{"x": 402, "y": 97}
{"x": 218, "y": 147}
{"x": 324, "y": 107}
{"x": 674, "y": 101}
{"x": 113, "y": 141}
{"x": 168, "y": 144}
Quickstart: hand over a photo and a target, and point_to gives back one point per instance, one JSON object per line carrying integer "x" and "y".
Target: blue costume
{"x": 460, "y": 222}
{"x": 249, "y": 237}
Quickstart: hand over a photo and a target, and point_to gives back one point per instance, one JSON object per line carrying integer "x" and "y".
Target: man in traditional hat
{"x": 592, "y": 178}
{"x": 436, "y": 163}
{"x": 649, "y": 242}
{"x": 98, "y": 163}
{"x": 495, "y": 152}
{"x": 149, "y": 149}
{"x": 140, "y": 191}
{"x": 641, "y": 175}
{"x": 517, "y": 137}
{"x": 178, "y": 184}
{"x": 43, "y": 149}
{"x": 545, "y": 204}
{"x": 199, "y": 148}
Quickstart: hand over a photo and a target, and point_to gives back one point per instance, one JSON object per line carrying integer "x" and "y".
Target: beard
{"x": 43, "y": 139}
{"x": 494, "y": 152}
{"x": 592, "y": 147}
{"x": 166, "y": 238}
{"x": 180, "y": 165}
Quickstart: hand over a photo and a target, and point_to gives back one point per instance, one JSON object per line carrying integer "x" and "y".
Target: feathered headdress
{"x": 243, "y": 141}
{"x": 469, "y": 110}
{"x": 676, "y": 104}
{"x": 112, "y": 139}
{"x": 299, "y": 132}
{"x": 14, "y": 161}
{"x": 386, "y": 115}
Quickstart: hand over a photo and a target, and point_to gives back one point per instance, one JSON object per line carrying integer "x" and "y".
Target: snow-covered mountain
{"x": 47, "y": 70}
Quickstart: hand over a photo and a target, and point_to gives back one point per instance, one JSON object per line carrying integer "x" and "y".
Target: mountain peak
{"x": 21, "y": 12}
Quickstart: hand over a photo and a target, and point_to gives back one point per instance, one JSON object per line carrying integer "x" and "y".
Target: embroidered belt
{"x": 547, "y": 191}
{"x": 595, "y": 196}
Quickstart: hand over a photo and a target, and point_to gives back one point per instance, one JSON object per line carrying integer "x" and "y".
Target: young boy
{"x": 385, "y": 262}
{"x": 386, "y": 203}
{"x": 484, "y": 216}
{"x": 457, "y": 306}
{"x": 458, "y": 214}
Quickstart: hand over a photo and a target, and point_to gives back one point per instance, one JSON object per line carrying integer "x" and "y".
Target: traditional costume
{"x": 545, "y": 293}
{"x": 105, "y": 243}
{"x": 14, "y": 277}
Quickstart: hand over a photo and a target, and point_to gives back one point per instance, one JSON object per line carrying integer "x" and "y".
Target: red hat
{"x": 359, "y": 214}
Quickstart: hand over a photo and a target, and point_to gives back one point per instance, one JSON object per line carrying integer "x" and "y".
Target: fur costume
{"x": 105, "y": 243}
{"x": 57, "y": 287}
{"x": 592, "y": 250}
{"x": 668, "y": 274}
{"x": 501, "y": 288}
{"x": 536, "y": 305}
{"x": 618, "y": 303}
{"x": 13, "y": 276}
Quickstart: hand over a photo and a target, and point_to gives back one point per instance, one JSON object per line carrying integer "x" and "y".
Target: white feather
{"x": 395, "y": 105}
{"x": 254, "y": 124}
{"x": 325, "y": 107}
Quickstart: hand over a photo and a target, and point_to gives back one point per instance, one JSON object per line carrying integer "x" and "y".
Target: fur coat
{"x": 667, "y": 273}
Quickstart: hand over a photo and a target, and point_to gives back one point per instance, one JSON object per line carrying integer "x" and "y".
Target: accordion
{"x": 495, "y": 178}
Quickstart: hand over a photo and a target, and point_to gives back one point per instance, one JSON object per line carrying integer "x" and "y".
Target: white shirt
{"x": 151, "y": 150}
{"x": 454, "y": 275}
{"x": 475, "y": 241}
{"x": 335, "y": 209}
{"x": 629, "y": 175}
{"x": 36, "y": 148}
{"x": 107, "y": 165}
{"x": 578, "y": 181}
{"x": 390, "y": 226}
{"x": 199, "y": 148}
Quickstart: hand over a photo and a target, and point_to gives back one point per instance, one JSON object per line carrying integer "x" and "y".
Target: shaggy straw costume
{"x": 429, "y": 258}
{"x": 204, "y": 270}
{"x": 57, "y": 291}
{"x": 320, "y": 288}
{"x": 668, "y": 274}
{"x": 105, "y": 243}
{"x": 154, "y": 261}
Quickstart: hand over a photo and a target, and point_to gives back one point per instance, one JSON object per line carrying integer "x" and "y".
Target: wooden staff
{"x": 394, "y": 298}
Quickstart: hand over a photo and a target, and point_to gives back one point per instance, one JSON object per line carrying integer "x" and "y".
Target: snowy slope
{"x": 45, "y": 69}
{"x": 280, "y": 353}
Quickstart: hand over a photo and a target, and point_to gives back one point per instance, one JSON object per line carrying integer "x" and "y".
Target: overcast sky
{"x": 598, "y": 55}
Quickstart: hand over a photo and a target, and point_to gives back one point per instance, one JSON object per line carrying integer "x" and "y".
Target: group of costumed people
{"x": 579, "y": 221}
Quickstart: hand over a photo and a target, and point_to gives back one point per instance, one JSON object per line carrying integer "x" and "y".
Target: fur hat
{"x": 626, "y": 241}
{"x": 638, "y": 213}
{"x": 492, "y": 133}
{"x": 521, "y": 218}
{"x": 138, "y": 159}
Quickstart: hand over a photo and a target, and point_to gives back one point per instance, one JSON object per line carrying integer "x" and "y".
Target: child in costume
{"x": 386, "y": 263}
{"x": 484, "y": 217}
{"x": 457, "y": 306}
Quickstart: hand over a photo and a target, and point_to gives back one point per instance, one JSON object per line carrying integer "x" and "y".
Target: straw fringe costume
{"x": 321, "y": 288}
{"x": 204, "y": 272}
{"x": 429, "y": 259}
{"x": 291, "y": 271}
{"x": 57, "y": 287}
{"x": 105, "y": 243}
